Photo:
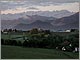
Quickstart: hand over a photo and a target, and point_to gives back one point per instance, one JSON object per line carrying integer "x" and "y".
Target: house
{"x": 65, "y": 43}
{"x": 70, "y": 45}
{"x": 76, "y": 49}
{"x": 66, "y": 46}
{"x": 56, "y": 47}
{"x": 63, "y": 48}
{"x": 68, "y": 31}
{"x": 5, "y": 32}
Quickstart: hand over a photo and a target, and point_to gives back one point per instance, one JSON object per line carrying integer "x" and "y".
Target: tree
{"x": 2, "y": 41}
{"x": 74, "y": 30}
{"x": 15, "y": 42}
{"x": 6, "y": 42}
{"x": 23, "y": 36}
{"x": 10, "y": 30}
{"x": 25, "y": 43}
{"x": 47, "y": 31}
{"x": 5, "y": 30}
{"x": 19, "y": 43}
{"x": 34, "y": 31}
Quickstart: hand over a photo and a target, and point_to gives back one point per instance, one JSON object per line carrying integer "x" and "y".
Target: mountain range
{"x": 69, "y": 22}
{"x": 56, "y": 14}
{"x": 36, "y": 24}
{"x": 24, "y": 20}
{"x": 37, "y": 21}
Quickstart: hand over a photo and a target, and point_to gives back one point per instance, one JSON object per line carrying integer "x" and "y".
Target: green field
{"x": 7, "y": 36}
{"x": 15, "y": 52}
{"x": 19, "y": 36}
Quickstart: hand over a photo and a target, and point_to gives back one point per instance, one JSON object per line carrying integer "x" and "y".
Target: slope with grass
{"x": 15, "y": 52}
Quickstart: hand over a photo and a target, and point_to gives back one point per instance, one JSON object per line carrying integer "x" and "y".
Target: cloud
{"x": 73, "y": 7}
{"x": 17, "y": 10}
{"x": 33, "y": 8}
{"x": 14, "y": 3}
{"x": 55, "y": 1}
{"x": 9, "y": 5}
{"x": 19, "y": 6}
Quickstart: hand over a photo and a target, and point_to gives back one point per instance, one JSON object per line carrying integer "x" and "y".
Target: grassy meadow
{"x": 15, "y": 52}
{"x": 37, "y": 46}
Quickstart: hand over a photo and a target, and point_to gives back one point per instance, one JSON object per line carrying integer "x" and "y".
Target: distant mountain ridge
{"x": 56, "y": 14}
{"x": 50, "y": 23}
{"x": 67, "y": 22}
{"x": 36, "y": 24}
{"x": 59, "y": 24}
{"x": 25, "y": 20}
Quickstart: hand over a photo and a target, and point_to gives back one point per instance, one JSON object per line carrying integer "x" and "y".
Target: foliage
{"x": 44, "y": 39}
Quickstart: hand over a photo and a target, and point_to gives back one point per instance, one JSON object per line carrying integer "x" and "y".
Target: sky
{"x": 20, "y": 6}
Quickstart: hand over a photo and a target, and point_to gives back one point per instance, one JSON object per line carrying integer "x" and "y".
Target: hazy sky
{"x": 19, "y": 6}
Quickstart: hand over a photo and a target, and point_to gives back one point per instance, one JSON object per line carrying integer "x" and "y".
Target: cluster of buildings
{"x": 69, "y": 30}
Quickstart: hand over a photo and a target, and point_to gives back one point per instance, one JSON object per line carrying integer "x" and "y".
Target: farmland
{"x": 20, "y": 35}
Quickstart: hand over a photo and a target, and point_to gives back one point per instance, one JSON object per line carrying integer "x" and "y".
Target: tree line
{"x": 38, "y": 38}
{"x": 46, "y": 40}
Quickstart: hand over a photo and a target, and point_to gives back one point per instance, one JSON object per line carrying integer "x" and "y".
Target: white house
{"x": 70, "y": 45}
{"x": 63, "y": 48}
{"x": 76, "y": 49}
{"x": 5, "y": 32}
{"x": 56, "y": 47}
{"x": 68, "y": 31}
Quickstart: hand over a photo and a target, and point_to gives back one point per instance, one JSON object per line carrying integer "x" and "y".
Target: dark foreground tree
{"x": 2, "y": 41}
{"x": 25, "y": 43}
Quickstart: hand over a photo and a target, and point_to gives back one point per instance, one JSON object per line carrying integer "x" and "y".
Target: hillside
{"x": 36, "y": 24}
{"x": 24, "y": 20}
{"x": 67, "y": 22}
{"x": 15, "y": 52}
